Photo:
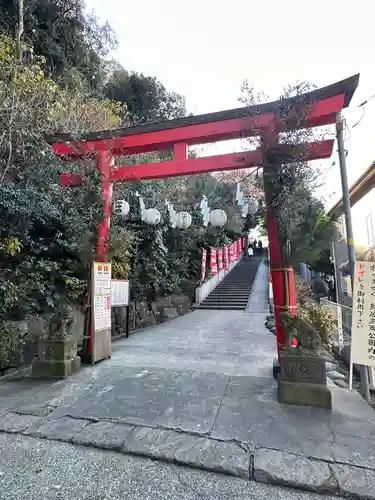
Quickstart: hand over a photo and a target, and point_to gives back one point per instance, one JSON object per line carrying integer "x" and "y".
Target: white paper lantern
{"x": 152, "y": 216}
{"x": 218, "y": 218}
{"x": 184, "y": 220}
{"x": 121, "y": 207}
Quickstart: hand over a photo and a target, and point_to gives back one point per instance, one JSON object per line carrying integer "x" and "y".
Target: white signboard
{"x": 102, "y": 296}
{"x": 119, "y": 293}
{"x": 363, "y": 319}
{"x": 340, "y": 330}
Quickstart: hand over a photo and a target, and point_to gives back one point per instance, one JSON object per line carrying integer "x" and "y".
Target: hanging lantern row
{"x": 182, "y": 220}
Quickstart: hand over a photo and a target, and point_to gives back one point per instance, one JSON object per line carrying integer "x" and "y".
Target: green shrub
{"x": 10, "y": 340}
{"x": 321, "y": 319}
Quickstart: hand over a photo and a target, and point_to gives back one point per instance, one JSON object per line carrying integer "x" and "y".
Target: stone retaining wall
{"x": 142, "y": 314}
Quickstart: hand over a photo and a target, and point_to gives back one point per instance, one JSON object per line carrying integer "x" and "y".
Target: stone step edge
{"x": 262, "y": 465}
{"x": 311, "y": 474}
{"x": 157, "y": 443}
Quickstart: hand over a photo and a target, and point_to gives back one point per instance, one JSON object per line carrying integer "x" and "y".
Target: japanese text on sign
{"x": 204, "y": 260}
{"x": 102, "y": 295}
{"x": 363, "y": 320}
{"x": 119, "y": 293}
{"x": 213, "y": 261}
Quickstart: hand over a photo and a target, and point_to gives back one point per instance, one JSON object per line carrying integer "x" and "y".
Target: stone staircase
{"x": 234, "y": 291}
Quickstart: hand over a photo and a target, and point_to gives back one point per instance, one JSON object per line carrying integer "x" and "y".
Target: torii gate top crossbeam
{"x": 321, "y": 106}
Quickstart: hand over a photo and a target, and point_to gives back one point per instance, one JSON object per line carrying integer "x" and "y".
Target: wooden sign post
{"x": 101, "y": 311}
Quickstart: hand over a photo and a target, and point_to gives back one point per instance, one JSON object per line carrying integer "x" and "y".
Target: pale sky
{"x": 204, "y": 50}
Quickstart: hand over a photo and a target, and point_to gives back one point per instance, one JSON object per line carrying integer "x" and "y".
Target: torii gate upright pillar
{"x": 284, "y": 295}
{"x": 105, "y": 164}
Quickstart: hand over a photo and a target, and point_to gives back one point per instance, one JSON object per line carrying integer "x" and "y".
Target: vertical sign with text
{"x": 238, "y": 249}
{"x": 220, "y": 259}
{"x": 102, "y": 295}
{"x": 226, "y": 258}
{"x": 213, "y": 261}
{"x": 363, "y": 318}
{"x": 231, "y": 253}
{"x": 204, "y": 261}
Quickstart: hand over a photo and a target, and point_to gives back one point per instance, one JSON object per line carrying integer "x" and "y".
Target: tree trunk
{"x": 19, "y": 27}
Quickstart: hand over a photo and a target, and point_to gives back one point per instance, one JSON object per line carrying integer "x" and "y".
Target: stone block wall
{"x": 142, "y": 315}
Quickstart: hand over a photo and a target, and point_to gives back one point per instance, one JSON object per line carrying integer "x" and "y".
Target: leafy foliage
{"x": 305, "y": 231}
{"x": 72, "y": 40}
{"x": 147, "y": 99}
{"x": 318, "y": 316}
{"x": 321, "y": 319}
{"x": 47, "y": 232}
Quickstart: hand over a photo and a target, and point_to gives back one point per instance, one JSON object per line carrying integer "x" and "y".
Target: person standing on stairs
{"x": 250, "y": 252}
{"x": 260, "y": 247}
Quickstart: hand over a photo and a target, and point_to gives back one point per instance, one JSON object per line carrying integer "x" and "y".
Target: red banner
{"x": 239, "y": 247}
{"x": 213, "y": 261}
{"x": 236, "y": 251}
{"x": 243, "y": 241}
{"x": 204, "y": 261}
{"x": 231, "y": 253}
{"x": 220, "y": 259}
{"x": 226, "y": 258}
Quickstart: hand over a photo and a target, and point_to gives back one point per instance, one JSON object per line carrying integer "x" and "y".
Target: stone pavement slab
{"x": 34, "y": 469}
{"x": 62, "y": 429}
{"x": 354, "y": 481}
{"x": 15, "y": 423}
{"x": 199, "y": 452}
{"x": 103, "y": 435}
{"x": 278, "y": 467}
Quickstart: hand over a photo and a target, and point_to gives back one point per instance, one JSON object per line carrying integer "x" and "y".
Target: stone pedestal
{"x": 60, "y": 359}
{"x": 302, "y": 381}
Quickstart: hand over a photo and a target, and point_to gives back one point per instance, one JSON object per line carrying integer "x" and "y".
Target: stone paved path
{"x": 197, "y": 392}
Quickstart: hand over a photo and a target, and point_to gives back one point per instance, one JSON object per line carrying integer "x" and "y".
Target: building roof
{"x": 363, "y": 185}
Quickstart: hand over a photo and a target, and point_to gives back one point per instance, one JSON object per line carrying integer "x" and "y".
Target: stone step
{"x": 227, "y": 299}
{"x": 234, "y": 287}
{"x": 231, "y": 289}
{"x": 229, "y": 296}
{"x": 224, "y": 308}
{"x": 224, "y": 303}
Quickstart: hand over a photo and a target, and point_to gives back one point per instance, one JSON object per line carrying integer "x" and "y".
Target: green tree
{"x": 72, "y": 40}
{"x": 146, "y": 98}
{"x": 305, "y": 232}
{"x": 46, "y": 231}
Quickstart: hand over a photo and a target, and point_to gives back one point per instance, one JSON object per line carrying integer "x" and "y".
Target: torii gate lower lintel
{"x": 267, "y": 121}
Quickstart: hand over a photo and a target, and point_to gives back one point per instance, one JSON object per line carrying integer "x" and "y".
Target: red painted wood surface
{"x": 231, "y": 161}
{"x": 317, "y": 114}
{"x": 200, "y": 165}
{"x": 104, "y": 166}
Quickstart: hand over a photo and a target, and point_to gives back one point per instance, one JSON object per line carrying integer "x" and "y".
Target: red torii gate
{"x": 313, "y": 109}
